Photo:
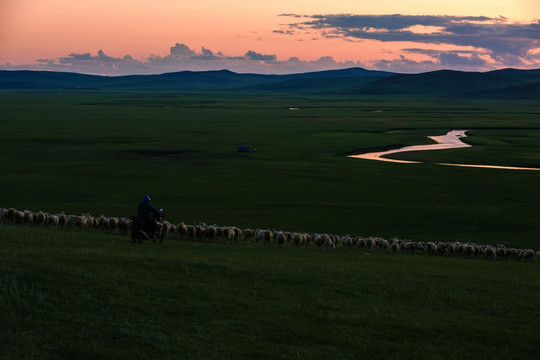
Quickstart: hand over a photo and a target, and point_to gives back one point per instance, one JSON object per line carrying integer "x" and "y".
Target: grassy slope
{"x": 454, "y": 83}
{"x": 66, "y": 294}
{"x": 99, "y": 153}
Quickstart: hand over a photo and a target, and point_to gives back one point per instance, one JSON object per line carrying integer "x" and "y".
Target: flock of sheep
{"x": 231, "y": 234}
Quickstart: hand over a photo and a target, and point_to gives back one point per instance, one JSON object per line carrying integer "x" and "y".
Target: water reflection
{"x": 449, "y": 141}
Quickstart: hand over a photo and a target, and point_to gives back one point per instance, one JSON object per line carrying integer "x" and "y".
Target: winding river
{"x": 451, "y": 140}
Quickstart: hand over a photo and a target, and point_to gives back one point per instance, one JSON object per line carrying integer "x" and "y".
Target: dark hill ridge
{"x": 179, "y": 80}
{"x": 523, "y": 75}
{"x": 26, "y": 79}
{"x": 350, "y": 72}
{"x": 183, "y": 80}
{"x": 505, "y": 83}
{"x": 446, "y": 82}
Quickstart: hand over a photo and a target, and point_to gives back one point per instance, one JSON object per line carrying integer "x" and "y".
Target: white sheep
{"x": 28, "y": 218}
{"x": 123, "y": 225}
{"x": 199, "y": 231}
{"x": 371, "y": 243}
{"x": 80, "y": 222}
{"x": 210, "y": 233}
{"x": 54, "y": 221}
{"x": 228, "y": 234}
{"x": 39, "y": 218}
{"x": 324, "y": 241}
{"x": 265, "y": 235}
{"x": 182, "y": 230}
{"x": 382, "y": 243}
{"x": 335, "y": 240}
{"x": 166, "y": 227}
{"x": 112, "y": 224}
{"x": 441, "y": 249}
{"x": 347, "y": 241}
{"x": 431, "y": 247}
{"x": 62, "y": 220}
{"x": 102, "y": 222}
{"x": 238, "y": 233}
{"x": 490, "y": 253}
{"x": 280, "y": 237}
{"x": 249, "y": 234}
{"x": 298, "y": 239}
{"x": 8, "y": 215}
{"x": 526, "y": 254}
{"x": 191, "y": 230}
{"x": 410, "y": 246}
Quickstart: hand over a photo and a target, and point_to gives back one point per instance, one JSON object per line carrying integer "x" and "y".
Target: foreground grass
{"x": 66, "y": 294}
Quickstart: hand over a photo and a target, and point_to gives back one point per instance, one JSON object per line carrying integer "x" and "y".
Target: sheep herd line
{"x": 231, "y": 234}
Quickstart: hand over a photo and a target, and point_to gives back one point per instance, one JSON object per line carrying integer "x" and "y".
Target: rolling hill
{"x": 183, "y": 80}
{"x": 455, "y": 83}
{"x": 506, "y": 83}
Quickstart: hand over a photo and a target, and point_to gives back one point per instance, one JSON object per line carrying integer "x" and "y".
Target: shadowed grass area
{"x": 99, "y": 153}
{"x": 68, "y": 294}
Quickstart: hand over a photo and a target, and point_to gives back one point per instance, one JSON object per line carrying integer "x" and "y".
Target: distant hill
{"x": 506, "y": 83}
{"x": 25, "y": 79}
{"x": 521, "y": 75}
{"x": 454, "y": 83}
{"x": 179, "y": 80}
{"x": 350, "y": 72}
{"x": 184, "y": 80}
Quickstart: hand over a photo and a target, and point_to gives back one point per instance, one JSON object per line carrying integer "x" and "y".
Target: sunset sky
{"x": 118, "y": 37}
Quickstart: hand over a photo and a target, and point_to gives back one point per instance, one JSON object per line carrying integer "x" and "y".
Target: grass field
{"x": 66, "y": 294}
{"x": 101, "y": 152}
{"x": 74, "y": 295}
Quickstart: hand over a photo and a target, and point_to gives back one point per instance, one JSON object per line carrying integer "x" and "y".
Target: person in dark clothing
{"x": 146, "y": 212}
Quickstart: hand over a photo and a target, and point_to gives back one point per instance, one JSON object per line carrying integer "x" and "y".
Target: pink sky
{"x": 58, "y": 30}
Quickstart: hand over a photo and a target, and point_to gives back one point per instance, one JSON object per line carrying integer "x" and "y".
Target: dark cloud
{"x": 291, "y": 15}
{"x": 181, "y": 50}
{"x": 506, "y": 42}
{"x": 260, "y": 57}
{"x": 396, "y": 24}
{"x": 284, "y": 32}
{"x": 405, "y": 65}
{"x": 86, "y": 63}
{"x": 432, "y": 52}
{"x": 452, "y": 59}
{"x": 458, "y": 59}
{"x": 207, "y": 54}
{"x": 46, "y": 62}
{"x": 464, "y": 60}
{"x": 180, "y": 58}
{"x": 77, "y": 57}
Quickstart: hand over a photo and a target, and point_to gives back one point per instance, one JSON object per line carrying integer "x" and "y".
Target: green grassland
{"x": 72, "y": 295}
{"x": 66, "y": 294}
{"x": 101, "y": 152}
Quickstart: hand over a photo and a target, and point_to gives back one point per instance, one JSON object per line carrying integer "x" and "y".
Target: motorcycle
{"x": 141, "y": 231}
